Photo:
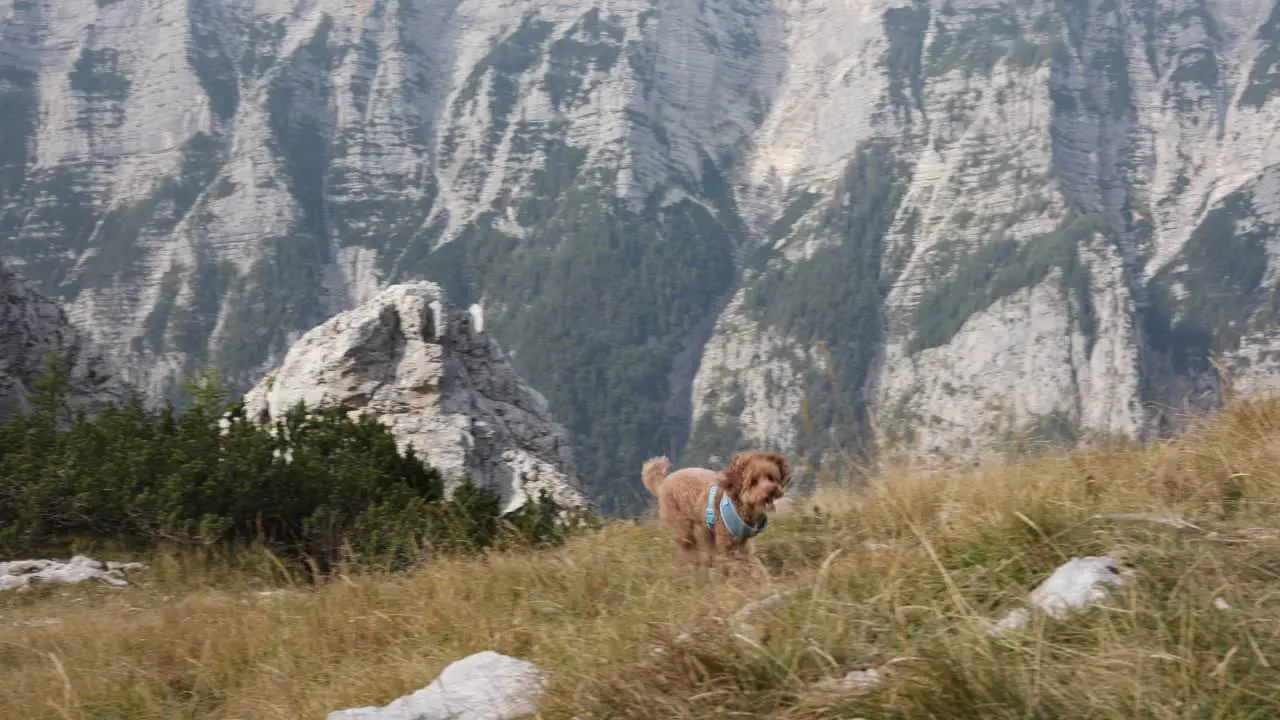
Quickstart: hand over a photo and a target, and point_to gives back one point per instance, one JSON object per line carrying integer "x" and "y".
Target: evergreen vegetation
{"x": 973, "y": 46}
{"x": 905, "y": 28}
{"x": 1000, "y": 268}
{"x": 1214, "y": 295}
{"x": 603, "y": 298}
{"x": 1264, "y": 78}
{"x": 833, "y": 298}
{"x": 717, "y": 434}
{"x": 319, "y": 487}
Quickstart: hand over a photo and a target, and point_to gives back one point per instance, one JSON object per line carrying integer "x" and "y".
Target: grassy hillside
{"x": 629, "y": 632}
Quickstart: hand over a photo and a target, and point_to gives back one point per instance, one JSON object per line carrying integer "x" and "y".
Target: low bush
{"x": 319, "y": 486}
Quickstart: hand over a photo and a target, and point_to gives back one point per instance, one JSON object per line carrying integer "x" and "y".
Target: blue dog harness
{"x": 732, "y": 520}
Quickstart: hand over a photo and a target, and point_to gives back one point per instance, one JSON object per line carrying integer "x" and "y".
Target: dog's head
{"x": 757, "y": 479}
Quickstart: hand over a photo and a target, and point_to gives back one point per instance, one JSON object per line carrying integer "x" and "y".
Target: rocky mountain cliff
{"x": 692, "y": 224}
{"x": 35, "y": 339}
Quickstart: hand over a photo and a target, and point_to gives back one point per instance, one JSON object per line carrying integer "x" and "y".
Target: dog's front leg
{"x": 707, "y": 547}
{"x": 745, "y": 561}
{"x": 755, "y": 566}
{"x": 727, "y": 546}
{"x": 692, "y": 551}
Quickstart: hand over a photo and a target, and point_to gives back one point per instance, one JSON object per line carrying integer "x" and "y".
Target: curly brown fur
{"x": 754, "y": 481}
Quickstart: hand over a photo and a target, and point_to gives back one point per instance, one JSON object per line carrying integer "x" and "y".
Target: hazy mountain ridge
{"x": 972, "y": 217}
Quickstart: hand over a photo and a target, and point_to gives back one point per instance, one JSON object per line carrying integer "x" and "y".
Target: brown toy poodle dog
{"x": 713, "y": 512}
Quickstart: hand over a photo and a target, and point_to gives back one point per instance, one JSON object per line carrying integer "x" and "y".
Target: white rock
{"x": 443, "y": 387}
{"x": 20, "y": 574}
{"x": 1076, "y": 584}
{"x": 856, "y": 682}
{"x": 484, "y": 686}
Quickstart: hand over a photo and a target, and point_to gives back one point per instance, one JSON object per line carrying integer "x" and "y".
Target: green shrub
{"x": 318, "y": 486}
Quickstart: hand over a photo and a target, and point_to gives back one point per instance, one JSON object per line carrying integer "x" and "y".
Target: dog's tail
{"x": 654, "y": 471}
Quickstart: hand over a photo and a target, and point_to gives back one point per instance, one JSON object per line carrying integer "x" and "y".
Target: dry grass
{"x": 196, "y": 640}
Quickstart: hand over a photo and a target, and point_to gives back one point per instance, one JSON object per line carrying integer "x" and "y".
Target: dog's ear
{"x": 784, "y": 467}
{"x": 735, "y": 476}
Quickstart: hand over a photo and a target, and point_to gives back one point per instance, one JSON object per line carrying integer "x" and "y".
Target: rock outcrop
{"x": 34, "y": 330}
{"x": 441, "y": 385}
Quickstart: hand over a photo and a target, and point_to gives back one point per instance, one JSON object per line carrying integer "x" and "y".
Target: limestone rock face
{"x": 740, "y": 222}
{"x": 33, "y": 330}
{"x": 441, "y": 385}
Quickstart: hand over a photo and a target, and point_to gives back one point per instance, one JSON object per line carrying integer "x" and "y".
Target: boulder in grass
{"x": 484, "y": 686}
{"x": 20, "y": 574}
{"x": 1076, "y": 584}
